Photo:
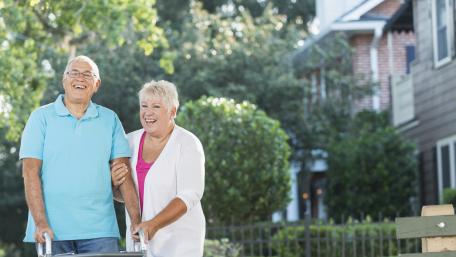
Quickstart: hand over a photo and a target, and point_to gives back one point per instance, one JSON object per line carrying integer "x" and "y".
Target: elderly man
{"x": 66, "y": 150}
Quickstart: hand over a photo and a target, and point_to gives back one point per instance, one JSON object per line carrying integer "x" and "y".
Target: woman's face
{"x": 155, "y": 116}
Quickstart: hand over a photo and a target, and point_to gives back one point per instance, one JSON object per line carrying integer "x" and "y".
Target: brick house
{"x": 424, "y": 102}
{"x": 382, "y": 37}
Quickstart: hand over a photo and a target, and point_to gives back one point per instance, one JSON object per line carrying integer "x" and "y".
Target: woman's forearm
{"x": 172, "y": 212}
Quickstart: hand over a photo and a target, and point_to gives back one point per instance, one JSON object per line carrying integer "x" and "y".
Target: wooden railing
{"x": 436, "y": 227}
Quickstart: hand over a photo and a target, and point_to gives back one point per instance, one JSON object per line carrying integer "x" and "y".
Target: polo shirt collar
{"x": 61, "y": 109}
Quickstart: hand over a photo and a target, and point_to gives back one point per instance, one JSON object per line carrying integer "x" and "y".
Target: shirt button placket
{"x": 77, "y": 127}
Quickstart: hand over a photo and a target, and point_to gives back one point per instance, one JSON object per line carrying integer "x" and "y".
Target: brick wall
{"x": 362, "y": 66}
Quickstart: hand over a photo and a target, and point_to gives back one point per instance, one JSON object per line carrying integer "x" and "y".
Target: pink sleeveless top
{"x": 142, "y": 167}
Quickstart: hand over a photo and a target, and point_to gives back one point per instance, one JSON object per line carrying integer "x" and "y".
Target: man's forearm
{"x": 33, "y": 191}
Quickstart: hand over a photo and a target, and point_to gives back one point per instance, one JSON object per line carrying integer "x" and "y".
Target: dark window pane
{"x": 441, "y": 13}
{"x": 441, "y": 29}
{"x": 442, "y": 43}
{"x": 410, "y": 50}
{"x": 445, "y": 154}
{"x": 454, "y": 158}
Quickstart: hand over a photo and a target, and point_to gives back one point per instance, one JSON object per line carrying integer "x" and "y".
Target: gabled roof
{"x": 358, "y": 11}
{"x": 402, "y": 19}
{"x": 359, "y": 20}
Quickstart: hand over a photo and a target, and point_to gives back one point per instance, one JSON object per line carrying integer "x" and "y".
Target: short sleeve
{"x": 190, "y": 174}
{"x": 32, "y": 140}
{"x": 120, "y": 147}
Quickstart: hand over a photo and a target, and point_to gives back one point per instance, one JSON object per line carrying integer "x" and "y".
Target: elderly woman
{"x": 168, "y": 170}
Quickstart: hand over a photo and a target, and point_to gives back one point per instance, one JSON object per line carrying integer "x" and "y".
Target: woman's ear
{"x": 173, "y": 112}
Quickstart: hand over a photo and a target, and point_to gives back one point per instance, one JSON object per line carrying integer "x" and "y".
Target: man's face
{"x": 79, "y": 82}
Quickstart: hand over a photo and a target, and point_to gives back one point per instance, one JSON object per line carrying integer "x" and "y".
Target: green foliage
{"x": 238, "y": 57}
{"x": 449, "y": 196}
{"x": 34, "y": 33}
{"x": 221, "y": 248}
{"x": 36, "y": 38}
{"x": 337, "y": 240}
{"x": 297, "y": 12}
{"x": 243, "y": 58}
{"x": 329, "y": 110}
{"x": 330, "y": 91}
{"x": 14, "y": 250}
{"x": 13, "y": 210}
{"x": 247, "y": 176}
{"x": 371, "y": 169}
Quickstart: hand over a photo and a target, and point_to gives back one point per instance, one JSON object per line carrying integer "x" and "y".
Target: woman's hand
{"x": 172, "y": 212}
{"x": 149, "y": 227}
{"x": 119, "y": 171}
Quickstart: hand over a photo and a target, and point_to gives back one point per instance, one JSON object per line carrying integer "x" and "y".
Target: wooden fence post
{"x": 436, "y": 227}
{"x": 438, "y": 244}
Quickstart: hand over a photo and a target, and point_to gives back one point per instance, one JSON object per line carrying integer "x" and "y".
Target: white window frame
{"x": 450, "y": 32}
{"x": 323, "y": 83}
{"x": 450, "y": 141}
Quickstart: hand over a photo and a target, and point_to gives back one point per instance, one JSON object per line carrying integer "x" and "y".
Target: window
{"x": 410, "y": 56}
{"x": 442, "y": 30}
{"x": 446, "y": 164}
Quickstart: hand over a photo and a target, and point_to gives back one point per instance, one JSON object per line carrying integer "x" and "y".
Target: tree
{"x": 36, "y": 39}
{"x": 12, "y": 204}
{"x": 297, "y": 12}
{"x": 247, "y": 175}
{"x": 249, "y": 58}
{"x": 33, "y": 34}
{"x": 243, "y": 58}
{"x": 371, "y": 169}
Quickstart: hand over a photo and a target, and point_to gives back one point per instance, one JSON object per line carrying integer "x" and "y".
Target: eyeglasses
{"x": 85, "y": 75}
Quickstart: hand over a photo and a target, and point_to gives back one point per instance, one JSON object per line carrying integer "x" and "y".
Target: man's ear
{"x": 97, "y": 85}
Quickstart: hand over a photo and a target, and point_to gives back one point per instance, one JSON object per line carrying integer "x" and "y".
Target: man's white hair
{"x": 164, "y": 89}
{"x": 86, "y": 59}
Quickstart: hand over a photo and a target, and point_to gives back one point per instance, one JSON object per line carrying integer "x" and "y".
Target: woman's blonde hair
{"x": 162, "y": 88}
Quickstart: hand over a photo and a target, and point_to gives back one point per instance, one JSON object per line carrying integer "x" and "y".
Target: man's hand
{"x": 39, "y": 233}
{"x": 119, "y": 172}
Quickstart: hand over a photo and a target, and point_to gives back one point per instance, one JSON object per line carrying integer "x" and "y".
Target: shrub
{"x": 371, "y": 169}
{"x": 17, "y": 250}
{"x": 247, "y": 172}
{"x": 221, "y": 248}
{"x": 370, "y": 239}
{"x": 449, "y": 196}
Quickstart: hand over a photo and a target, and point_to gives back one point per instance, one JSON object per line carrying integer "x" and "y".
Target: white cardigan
{"x": 177, "y": 172}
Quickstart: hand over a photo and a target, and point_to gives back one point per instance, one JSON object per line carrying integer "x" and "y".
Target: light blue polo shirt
{"x": 75, "y": 173}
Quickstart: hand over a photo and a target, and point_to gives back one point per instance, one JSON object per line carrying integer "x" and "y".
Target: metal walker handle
{"x": 48, "y": 247}
{"x": 142, "y": 245}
